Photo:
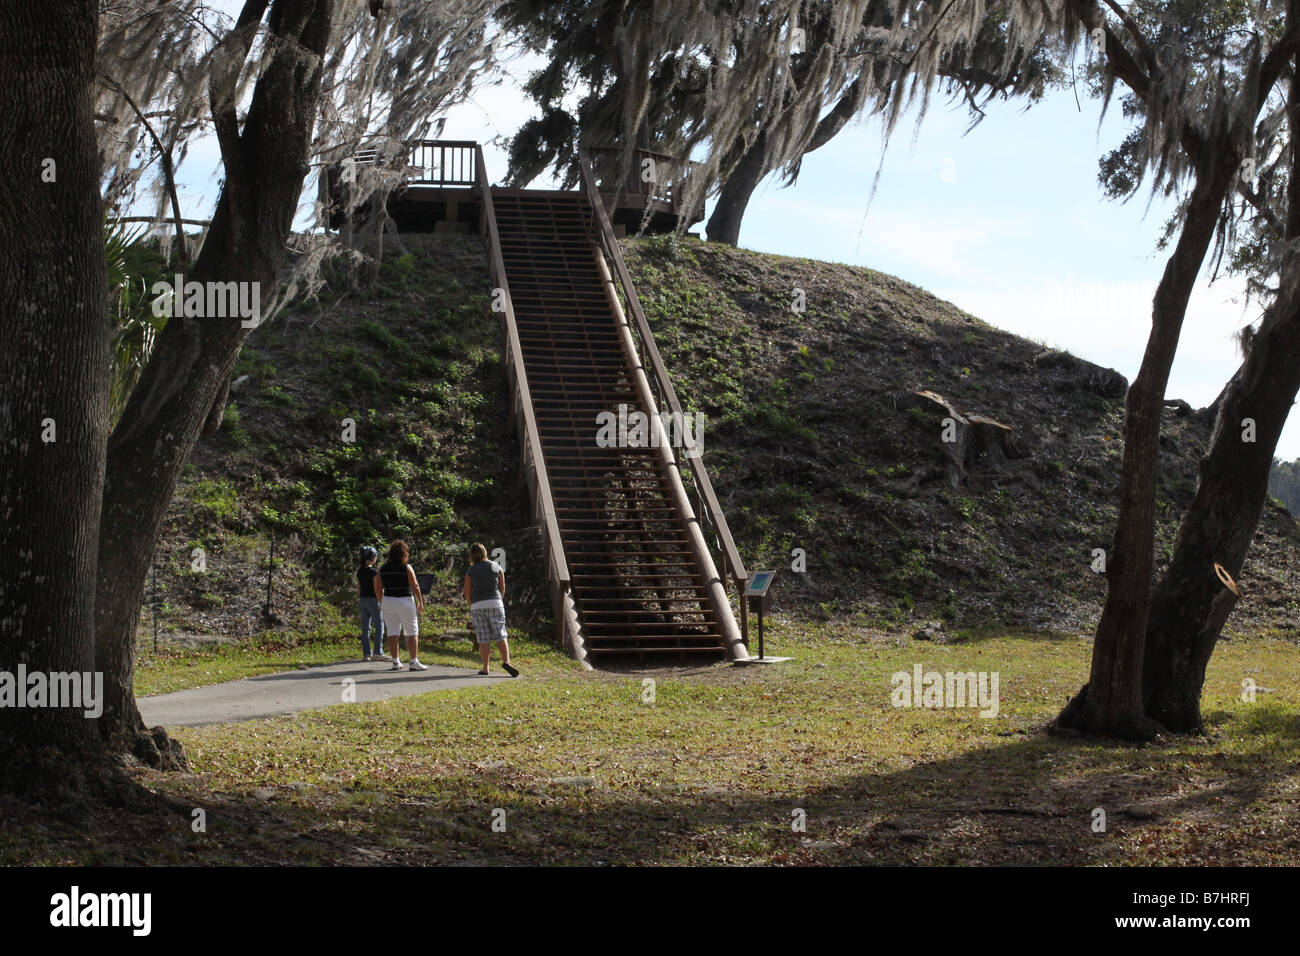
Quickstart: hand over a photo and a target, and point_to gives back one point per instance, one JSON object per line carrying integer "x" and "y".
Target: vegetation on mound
{"x": 411, "y": 373}
{"x": 808, "y": 441}
{"x": 811, "y": 446}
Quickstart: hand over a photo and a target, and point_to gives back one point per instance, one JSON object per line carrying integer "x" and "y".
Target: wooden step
{"x": 635, "y": 578}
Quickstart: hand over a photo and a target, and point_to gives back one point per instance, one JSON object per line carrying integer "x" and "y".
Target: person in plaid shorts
{"x": 485, "y": 589}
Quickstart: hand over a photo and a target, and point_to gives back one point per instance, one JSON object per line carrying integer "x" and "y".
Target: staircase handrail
{"x": 532, "y": 437}
{"x": 659, "y": 372}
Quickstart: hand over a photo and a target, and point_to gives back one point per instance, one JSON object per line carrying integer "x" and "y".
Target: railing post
{"x": 744, "y": 612}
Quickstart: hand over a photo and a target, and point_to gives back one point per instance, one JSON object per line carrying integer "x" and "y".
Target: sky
{"x": 1006, "y": 221}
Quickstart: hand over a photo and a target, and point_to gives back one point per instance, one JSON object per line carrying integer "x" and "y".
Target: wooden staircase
{"x": 629, "y": 562}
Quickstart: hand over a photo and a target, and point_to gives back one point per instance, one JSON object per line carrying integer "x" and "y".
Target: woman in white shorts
{"x": 400, "y": 602}
{"x": 485, "y": 590}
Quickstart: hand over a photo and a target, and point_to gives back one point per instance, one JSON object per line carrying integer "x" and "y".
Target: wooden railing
{"x": 689, "y": 458}
{"x": 444, "y": 162}
{"x": 432, "y": 162}
{"x": 530, "y": 439}
{"x": 655, "y": 177}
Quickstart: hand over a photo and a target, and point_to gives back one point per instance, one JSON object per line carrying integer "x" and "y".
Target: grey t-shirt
{"x": 483, "y": 581}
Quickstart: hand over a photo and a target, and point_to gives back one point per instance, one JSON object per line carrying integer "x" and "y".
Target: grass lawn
{"x": 716, "y": 764}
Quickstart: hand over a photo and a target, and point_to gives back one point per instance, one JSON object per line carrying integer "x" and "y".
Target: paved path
{"x": 292, "y": 691}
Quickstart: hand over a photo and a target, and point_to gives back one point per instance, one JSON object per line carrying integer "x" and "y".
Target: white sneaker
{"x": 417, "y": 666}
{"x": 397, "y": 665}
{"x": 380, "y": 658}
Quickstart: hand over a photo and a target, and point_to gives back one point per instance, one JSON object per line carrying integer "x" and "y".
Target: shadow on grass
{"x": 1263, "y": 719}
{"x": 987, "y": 633}
{"x": 1028, "y": 801}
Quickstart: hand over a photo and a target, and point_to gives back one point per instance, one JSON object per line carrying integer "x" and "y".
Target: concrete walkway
{"x": 291, "y": 691}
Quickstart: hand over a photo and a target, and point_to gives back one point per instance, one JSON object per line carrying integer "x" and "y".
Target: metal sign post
{"x": 758, "y": 592}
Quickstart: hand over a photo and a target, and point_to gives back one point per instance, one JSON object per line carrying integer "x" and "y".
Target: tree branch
{"x": 1126, "y": 68}
{"x": 164, "y": 159}
{"x": 1261, "y": 207}
{"x": 834, "y": 121}
{"x": 222, "y": 88}
{"x": 1278, "y": 57}
{"x": 1144, "y": 48}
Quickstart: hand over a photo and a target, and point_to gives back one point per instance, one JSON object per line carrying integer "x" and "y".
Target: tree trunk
{"x": 54, "y": 380}
{"x": 191, "y": 361}
{"x": 733, "y": 200}
{"x": 1190, "y": 604}
{"x": 265, "y": 167}
{"x": 1111, "y": 701}
{"x": 724, "y": 224}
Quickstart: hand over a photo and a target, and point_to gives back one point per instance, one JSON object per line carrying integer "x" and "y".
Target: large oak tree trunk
{"x": 54, "y": 375}
{"x": 1191, "y": 604}
{"x": 265, "y": 167}
{"x": 724, "y": 225}
{"x": 1111, "y": 701}
{"x": 168, "y": 408}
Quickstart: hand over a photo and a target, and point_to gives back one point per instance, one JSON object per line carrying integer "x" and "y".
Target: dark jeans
{"x": 370, "y": 617}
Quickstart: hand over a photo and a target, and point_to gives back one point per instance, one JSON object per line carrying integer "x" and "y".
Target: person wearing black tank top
{"x": 371, "y": 619}
{"x": 400, "y": 601}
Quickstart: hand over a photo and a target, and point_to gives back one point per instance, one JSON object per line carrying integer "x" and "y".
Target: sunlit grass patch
{"x": 708, "y": 763}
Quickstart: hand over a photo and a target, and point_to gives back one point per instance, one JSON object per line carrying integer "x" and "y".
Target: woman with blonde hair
{"x": 400, "y": 602}
{"x": 485, "y": 590}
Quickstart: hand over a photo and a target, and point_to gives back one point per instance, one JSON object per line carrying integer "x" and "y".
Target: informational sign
{"x": 757, "y": 595}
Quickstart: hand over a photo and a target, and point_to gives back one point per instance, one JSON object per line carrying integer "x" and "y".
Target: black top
{"x": 395, "y": 583}
{"x": 366, "y": 580}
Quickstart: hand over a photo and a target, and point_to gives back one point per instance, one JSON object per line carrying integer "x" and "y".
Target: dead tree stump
{"x": 965, "y": 437}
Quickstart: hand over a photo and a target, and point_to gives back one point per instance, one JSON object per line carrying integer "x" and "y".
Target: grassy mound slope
{"x": 811, "y": 443}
